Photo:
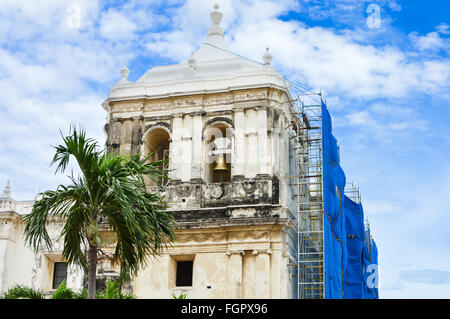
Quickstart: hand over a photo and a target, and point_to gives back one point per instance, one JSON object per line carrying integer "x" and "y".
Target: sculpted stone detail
{"x": 249, "y": 186}
{"x": 250, "y": 96}
{"x": 219, "y": 100}
{"x": 187, "y": 102}
{"x": 217, "y": 194}
{"x": 183, "y": 190}
{"x": 235, "y": 252}
{"x": 253, "y": 234}
{"x": 123, "y": 107}
{"x": 216, "y": 191}
{"x": 202, "y": 237}
{"x": 157, "y": 105}
{"x": 262, "y": 251}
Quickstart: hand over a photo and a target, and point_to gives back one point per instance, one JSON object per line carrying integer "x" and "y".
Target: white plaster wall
{"x": 20, "y": 259}
{"x": 19, "y": 265}
{"x": 3, "y": 264}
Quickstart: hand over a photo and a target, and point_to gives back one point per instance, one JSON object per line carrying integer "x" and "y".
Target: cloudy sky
{"x": 383, "y": 66}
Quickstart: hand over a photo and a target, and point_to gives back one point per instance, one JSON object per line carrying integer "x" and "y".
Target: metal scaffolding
{"x": 352, "y": 192}
{"x": 310, "y": 204}
{"x": 306, "y": 135}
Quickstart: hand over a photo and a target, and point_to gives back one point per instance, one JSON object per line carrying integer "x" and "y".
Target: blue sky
{"x": 387, "y": 89}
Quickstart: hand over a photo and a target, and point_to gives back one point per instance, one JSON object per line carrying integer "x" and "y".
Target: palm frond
{"x": 52, "y": 204}
{"x": 111, "y": 186}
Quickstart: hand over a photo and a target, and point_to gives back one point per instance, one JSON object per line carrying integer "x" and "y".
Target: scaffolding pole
{"x": 307, "y": 139}
{"x": 352, "y": 192}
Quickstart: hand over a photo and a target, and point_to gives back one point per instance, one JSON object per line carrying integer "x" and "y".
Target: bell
{"x": 221, "y": 165}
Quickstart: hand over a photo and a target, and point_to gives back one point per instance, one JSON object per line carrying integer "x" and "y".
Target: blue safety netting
{"x": 370, "y": 260}
{"x": 353, "y": 273}
{"x": 333, "y": 189}
{"x": 346, "y": 254}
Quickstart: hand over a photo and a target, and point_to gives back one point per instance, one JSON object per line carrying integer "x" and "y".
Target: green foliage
{"x": 83, "y": 294}
{"x": 180, "y": 296}
{"x": 112, "y": 292}
{"x": 22, "y": 292}
{"x": 62, "y": 292}
{"x": 111, "y": 187}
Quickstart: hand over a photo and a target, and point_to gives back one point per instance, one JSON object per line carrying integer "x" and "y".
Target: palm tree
{"x": 110, "y": 186}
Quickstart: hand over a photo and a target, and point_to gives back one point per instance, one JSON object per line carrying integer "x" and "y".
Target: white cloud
{"x": 382, "y": 207}
{"x": 443, "y": 28}
{"x": 116, "y": 26}
{"x": 394, "y": 6}
{"x": 306, "y": 54}
{"x": 431, "y": 41}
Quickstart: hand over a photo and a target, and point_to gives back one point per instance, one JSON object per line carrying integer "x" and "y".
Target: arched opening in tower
{"x": 158, "y": 143}
{"x": 218, "y": 153}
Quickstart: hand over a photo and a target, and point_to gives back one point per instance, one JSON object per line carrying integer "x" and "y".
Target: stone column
{"x": 262, "y": 271}
{"x": 175, "y": 147}
{"x": 251, "y": 143}
{"x": 125, "y": 137}
{"x": 186, "y": 149}
{"x": 114, "y": 136}
{"x": 197, "y": 146}
{"x": 234, "y": 274}
{"x": 249, "y": 276}
{"x": 276, "y": 275}
{"x": 275, "y": 150}
{"x": 238, "y": 160}
{"x": 263, "y": 156}
{"x": 136, "y": 135}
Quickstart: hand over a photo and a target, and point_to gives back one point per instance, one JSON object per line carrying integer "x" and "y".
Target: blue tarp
{"x": 370, "y": 259}
{"x": 333, "y": 189}
{"x": 348, "y": 262}
{"x": 353, "y": 270}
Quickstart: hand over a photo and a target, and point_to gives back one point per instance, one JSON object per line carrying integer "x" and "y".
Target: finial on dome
{"x": 267, "y": 57}
{"x": 216, "y": 35}
{"x": 7, "y": 188}
{"x": 216, "y": 16}
{"x": 124, "y": 71}
{"x": 7, "y": 191}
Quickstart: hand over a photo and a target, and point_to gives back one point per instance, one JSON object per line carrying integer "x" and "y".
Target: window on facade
{"x": 184, "y": 273}
{"x": 59, "y": 273}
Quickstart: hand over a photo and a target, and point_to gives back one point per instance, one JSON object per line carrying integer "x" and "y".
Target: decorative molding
{"x": 235, "y": 252}
{"x": 202, "y": 237}
{"x": 219, "y": 119}
{"x": 164, "y": 125}
{"x": 216, "y": 191}
{"x": 183, "y": 190}
{"x": 262, "y": 251}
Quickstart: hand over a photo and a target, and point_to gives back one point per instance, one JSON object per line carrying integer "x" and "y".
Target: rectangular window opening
{"x": 59, "y": 273}
{"x": 184, "y": 273}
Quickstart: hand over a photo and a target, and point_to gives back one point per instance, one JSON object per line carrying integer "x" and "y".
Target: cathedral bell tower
{"x": 222, "y": 122}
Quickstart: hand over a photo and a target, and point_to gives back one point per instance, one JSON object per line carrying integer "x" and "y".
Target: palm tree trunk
{"x": 92, "y": 271}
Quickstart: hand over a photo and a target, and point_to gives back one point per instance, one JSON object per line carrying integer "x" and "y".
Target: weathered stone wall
{"x": 229, "y": 262}
{"x": 239, "y": 232}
